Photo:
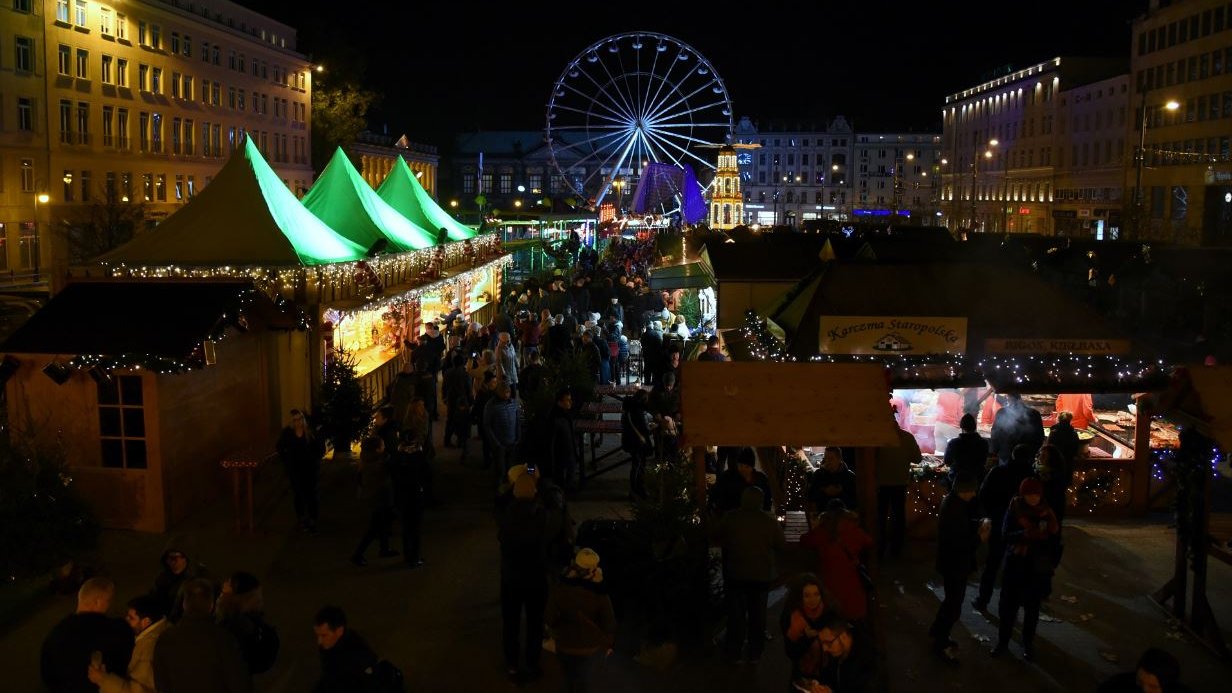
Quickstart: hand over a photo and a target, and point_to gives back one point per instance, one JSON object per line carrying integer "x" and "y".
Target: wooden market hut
{"x": 146, "y": 385}
{"x": 1002, "y": 326}
{"x": 753, "y": 275}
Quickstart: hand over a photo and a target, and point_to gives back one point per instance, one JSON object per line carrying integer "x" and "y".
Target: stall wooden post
{"x": 866, "y": 492}
{"x": 1140, "y": 489}
{"x": 699, "y": 478}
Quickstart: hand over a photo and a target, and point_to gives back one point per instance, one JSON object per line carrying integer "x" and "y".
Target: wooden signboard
{"x": 772, "y": 404}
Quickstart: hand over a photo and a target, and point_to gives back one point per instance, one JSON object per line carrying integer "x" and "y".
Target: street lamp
{"x": 1140, "y": 162}
{"x": 40, "y": 199}
{"x": 974, "y": 172}
{"x": 898, "y": 183}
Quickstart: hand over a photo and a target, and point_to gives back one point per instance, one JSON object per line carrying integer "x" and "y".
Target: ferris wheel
{"x": 630, "y": 100}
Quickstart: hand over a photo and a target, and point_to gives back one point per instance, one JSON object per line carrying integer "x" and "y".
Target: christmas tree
{"x": 346, "y": 407}
{"x": 43, "y": 522}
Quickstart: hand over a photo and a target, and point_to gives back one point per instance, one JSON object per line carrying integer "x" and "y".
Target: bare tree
{"x": 108, "y": 222}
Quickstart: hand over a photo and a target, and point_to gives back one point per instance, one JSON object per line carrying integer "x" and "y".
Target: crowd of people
{"x": 1007, "y": 492}
{"x": 190, "y": 632}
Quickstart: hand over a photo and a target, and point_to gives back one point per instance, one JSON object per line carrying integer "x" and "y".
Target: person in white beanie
{"x": 580, "y": 616}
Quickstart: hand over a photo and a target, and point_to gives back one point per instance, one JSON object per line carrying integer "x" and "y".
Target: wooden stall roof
{"x": 772, "y": 404}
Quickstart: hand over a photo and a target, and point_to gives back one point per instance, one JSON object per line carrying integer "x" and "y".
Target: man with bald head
{"x": 69, "y": 646}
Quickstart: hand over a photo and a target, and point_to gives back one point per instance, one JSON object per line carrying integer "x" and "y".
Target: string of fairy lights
{"x": 336, "y": 276}
{"x": 102, "y": 365}
{"x": 956, "y": 370}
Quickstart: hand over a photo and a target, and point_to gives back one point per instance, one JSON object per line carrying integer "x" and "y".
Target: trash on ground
{"x": 982, "y": 639}
{"x": 1110, "y": 656}
{"x": 1050, "y": 619}
{"x": 1069, "y": 599}
{"x": 1085, "y": 617}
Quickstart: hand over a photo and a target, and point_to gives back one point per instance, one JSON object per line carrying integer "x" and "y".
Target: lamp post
{"x": 899, "y": 183}
{"x": 1140, "y": 161}
{"x": 41, "y": 198}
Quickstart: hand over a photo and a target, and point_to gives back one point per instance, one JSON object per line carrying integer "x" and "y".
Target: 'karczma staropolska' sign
{"x": 849, "y": 334}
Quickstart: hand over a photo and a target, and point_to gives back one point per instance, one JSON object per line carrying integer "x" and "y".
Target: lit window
{"x": 80, "y": 15}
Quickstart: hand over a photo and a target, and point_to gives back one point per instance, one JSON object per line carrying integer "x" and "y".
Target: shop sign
{"x": 847, "y": 334}
{"x": 1215, "y": 176}
{"x": 1084, "y": 213}
{"x": 1024, "y": 210}
{"x": 1056, "y": 346}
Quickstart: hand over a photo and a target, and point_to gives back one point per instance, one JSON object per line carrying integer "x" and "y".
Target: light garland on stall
{"x": 399, "y": 300}
{"x": 161, "y": 364}
{"x": 952, "y": 370}
{"x": 331, "y": 276}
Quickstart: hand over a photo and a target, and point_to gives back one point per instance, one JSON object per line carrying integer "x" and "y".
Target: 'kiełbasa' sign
{"x": 846, "y": 334}
{"x": 1093, "y": 347}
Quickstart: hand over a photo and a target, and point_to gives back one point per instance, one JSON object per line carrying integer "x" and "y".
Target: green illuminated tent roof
{"x": 404, "y": 193}
{"x": 342, "y": 199}
{"x": 245, "y": 216}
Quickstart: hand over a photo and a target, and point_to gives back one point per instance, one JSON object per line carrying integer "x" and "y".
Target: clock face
{"x": 744, "y": 159}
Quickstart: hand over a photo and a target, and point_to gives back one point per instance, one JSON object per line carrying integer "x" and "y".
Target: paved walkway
{"x": 441, "y": 624}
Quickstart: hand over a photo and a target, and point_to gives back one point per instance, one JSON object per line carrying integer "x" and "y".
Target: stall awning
{"x": 692, "y": 275}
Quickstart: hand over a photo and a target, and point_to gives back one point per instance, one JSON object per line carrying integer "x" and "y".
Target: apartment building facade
{"x": 134, "y": 100}
{"x": 1003, "y": 145}
{"x": 1181, "y": 67}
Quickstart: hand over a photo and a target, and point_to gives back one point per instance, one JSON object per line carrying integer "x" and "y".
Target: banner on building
{"x": 846, "y": 334}
{"x": 1093, "y": 347}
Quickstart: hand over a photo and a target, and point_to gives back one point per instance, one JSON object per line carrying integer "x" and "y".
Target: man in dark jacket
{"x": 67, "y": 651}
{"x": 849, "y": 658}
{"x": 741, "y": 473}
{"x": 524, "y": 584}
{"x": 749, "y": 537}
{"x": 197, "y": 655}
{"x": 346, "y": 659}
{"x": 1016, "y": 424}
{"x": 999, "y": 487}
{"x": 502, "y": 424}
{"x": 589, "y": 351}
{"x": 960, "y": 530}
{"x": 456, "y": 391}
{"x": 562, "y": 444}
{"x": 579, "y": 297}
{"x": 834, "y": 479}
{"x": 893, "y": 475}
{"x": 968, "y": 452}
{"x": 531, "y": 379}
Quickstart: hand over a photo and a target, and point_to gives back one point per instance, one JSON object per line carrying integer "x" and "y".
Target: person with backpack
{"x": 239, "y": 612}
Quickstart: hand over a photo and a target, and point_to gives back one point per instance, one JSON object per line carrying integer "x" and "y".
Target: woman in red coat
{"x": 839, "y": 541}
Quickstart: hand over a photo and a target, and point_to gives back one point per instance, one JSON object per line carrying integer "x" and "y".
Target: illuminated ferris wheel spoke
{"x": 661, "y": 113}
{"x": 677, "y": 116}
{"x": 661, "y": 126}
{"x": 612, "y": 104}
{"x": 615, "y": 171}
{"x": 614, "y": 145}
{"x": 616, "y": 86}
{"x": 616, "y": 116}
{"x": 591, "y": 144}
{"x": 661, "y": 138}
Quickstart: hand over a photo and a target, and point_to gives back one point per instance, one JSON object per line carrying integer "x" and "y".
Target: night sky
{"x": 450, "y": 66}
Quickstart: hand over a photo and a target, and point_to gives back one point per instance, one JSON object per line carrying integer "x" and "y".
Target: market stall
{"x": 946, "y": 354}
